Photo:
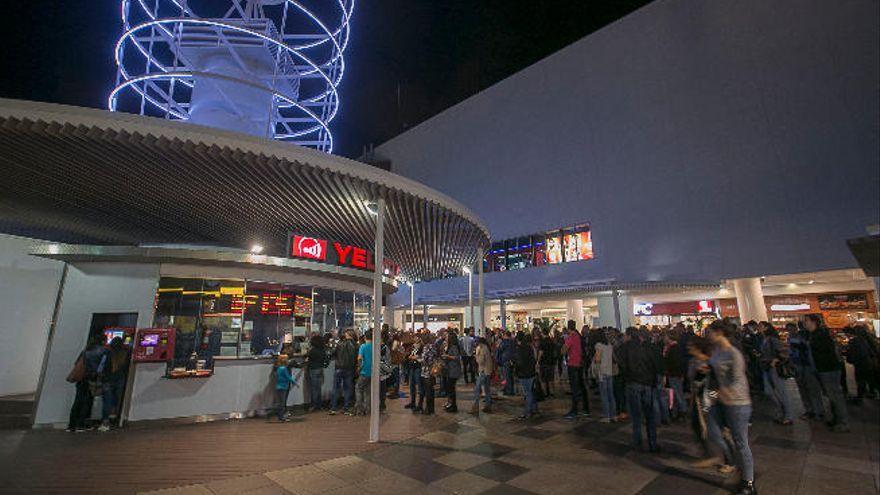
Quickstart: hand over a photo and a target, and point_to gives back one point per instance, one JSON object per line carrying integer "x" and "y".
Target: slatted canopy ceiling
{"x": 81, "y": 175}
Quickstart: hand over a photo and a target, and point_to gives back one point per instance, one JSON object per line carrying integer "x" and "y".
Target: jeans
{"x": 774, "y": 387}
{"x": 737, "y": 419}
{"x": 715, "y": 423}
{"x": 640, "y": 399}
{"x": 676, "y": 383}
{"x": 281, "y": 401}
{"x": 606, "y": 393}
{"x": 427, "y": 395}
{"x": 661, "y": 402}
{"x": 414, "y": 374}
{"x": 81, "y": 410}
{"x": 810, "y": 390}
{"x": 830, "y": 381}
{"x": 111, "y": 397}
{"x": 451, "y": 397}
{"x": 342, "y": 379}
{"x": 316, "y": 382}
{"x": 531, "y": 406}
{"x": 362, "y": 394}
{"x": 576, "y": 381}
{"x": 469, "y": 369}
{"x": 482, "y": 383}
{"x": 620, "y": 394}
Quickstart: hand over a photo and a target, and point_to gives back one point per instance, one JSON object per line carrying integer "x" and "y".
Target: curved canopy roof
{"x": 81, "y": 175}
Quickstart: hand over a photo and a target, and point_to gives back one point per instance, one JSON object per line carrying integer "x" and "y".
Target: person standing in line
{"x": 345, "y": 355}
{"x": 828, "y": 366}
{"x": 573, "y": 351}
{"x": 316, "y": 361}
{"x": 467, "y": 343}
{"x": 604, "y": 362}
{"x": 483, "y": 358}
{"x": 807, "y": 378}
{"x": 661, "y": 399}
{"x": 526, "y": 371}
{"x": 414, "y": 372}
{"x": 505, "y": 355}
{"x": 426, "y": 359}
{"x": 365, "y": 361}
{"x": 88, "y": 367}
{"x": 863, "y": 354}
{"x": 113, "y": 382}
{"x": 453, "y": 357}
{"x": 283, "y": 381}
{"x": 547, "y": 349}
{"x": 774, "y": 356}
{"x": 639, "y": 369}
{"x": 674, "y": 365}
{"x": 729, "y": 368}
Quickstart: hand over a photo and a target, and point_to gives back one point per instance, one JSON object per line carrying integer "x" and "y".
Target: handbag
{"x": 78, "y": 373}
{"x": 437, "y": 368}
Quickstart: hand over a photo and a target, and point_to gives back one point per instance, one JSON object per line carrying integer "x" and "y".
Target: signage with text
{"x": 337, "y": 253}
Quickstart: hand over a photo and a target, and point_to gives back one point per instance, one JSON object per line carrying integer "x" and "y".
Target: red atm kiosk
{"x": 154, "y": 344}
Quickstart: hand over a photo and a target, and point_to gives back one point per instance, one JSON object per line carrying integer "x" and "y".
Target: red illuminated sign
{"x": 308, "y": 247}
{"x": 341, "y": 254}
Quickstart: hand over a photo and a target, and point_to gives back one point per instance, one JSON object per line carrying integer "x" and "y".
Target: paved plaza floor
{"x": 444, "y": 454}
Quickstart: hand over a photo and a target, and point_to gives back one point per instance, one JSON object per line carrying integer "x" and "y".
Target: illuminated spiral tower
{"x": 269, "y": 68}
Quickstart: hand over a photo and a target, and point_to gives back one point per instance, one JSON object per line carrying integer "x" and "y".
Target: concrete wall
{"x": 90, "y": 288}
{"x": 702, "y": 140}
{"x": 28, "y": 287}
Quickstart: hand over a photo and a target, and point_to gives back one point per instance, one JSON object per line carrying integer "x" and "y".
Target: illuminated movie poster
{"x": 554, "y": 250}
{"x": 585, "y": 246}
{"x": 571, "y": 247}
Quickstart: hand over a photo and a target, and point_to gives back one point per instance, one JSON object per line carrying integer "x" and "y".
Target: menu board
{"x": 830, "y": 302}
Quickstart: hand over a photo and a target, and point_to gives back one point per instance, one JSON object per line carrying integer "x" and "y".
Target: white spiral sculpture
{"x": 269, "y": 68}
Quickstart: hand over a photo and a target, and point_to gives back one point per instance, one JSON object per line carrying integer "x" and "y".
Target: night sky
{"x": 432, "y": 53}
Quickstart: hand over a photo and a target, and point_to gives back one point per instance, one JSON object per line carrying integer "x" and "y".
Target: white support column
{"x": 750, "y": 299}
{"x": 379, "y": 261}
{"x": 574, "y": 310}
{"x": 615, "y": 310}
{"x": 481, "y": 297}
{"x": 470, "y": 274}
{"x": 412, "y": 306}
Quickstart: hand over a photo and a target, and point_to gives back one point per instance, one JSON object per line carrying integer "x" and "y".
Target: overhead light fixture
{"x": 256, "y": 249}
{"x": 466, "y": 270}
{"x": 371, "y": 207}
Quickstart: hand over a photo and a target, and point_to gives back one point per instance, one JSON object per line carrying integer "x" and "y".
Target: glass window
{"x": 363, "y": 305}
{"x": 274, "y": 314}
{"x": 539, "y": 246}
{"x": 221, "y": 318}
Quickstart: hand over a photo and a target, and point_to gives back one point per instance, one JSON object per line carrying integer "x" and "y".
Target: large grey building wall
{"x": 702, "y": 140}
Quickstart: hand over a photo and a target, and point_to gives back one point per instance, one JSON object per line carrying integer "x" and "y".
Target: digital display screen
{"x": 112, "y": 333}
{"x": 149, "y": 340}
{"x": 554, "y": 250}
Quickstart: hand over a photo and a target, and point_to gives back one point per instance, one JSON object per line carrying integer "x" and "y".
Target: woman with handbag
{"x": 84, "y": 375}
{"x": 776, "y": 366}
{"x": 429, "y": 371}
{"x": 452, "y": 358}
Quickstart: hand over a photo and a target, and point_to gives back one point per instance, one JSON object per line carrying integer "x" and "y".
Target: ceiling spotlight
{"x": 256, "y": 249}
{"x": 371, "y": 207}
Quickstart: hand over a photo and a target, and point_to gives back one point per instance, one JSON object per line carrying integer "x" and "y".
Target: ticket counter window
{"x": 274, "y": 313}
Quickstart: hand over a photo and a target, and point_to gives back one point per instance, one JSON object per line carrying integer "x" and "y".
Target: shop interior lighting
{"x": 256, "y": 249}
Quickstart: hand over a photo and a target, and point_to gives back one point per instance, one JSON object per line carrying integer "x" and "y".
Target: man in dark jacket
{"x": 828, "y": 366}
{"x": 504, "y": 356}
{"x": 639, "y": 369}
{"x": 526, "y": 371}
{"x": 345, "y": 356}
{"x": 674, "y": 366}
{"x": 862, "y": 353}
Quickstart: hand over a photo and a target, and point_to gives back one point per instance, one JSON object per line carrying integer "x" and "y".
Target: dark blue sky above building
{"x": 407, "y": 61}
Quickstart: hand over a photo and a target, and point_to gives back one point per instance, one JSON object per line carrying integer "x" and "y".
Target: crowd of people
{"x": 648, "y": 377}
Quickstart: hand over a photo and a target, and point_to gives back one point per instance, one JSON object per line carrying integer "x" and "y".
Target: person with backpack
{"x": 345, "y": 356}
{"x": 526, "y": 371}
{"x": 774, "y": 362}
{"x": 801, "y": 357}
{"x": 113, "y": 382}
{"x": 86, "y": 372}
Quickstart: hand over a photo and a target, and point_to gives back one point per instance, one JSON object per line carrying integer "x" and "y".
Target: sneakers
{"x": 726, "y": 469}
{"x": 585, "y": 415}
{"x": 104, "y": 428}
{"x": 747, "y": 488}
{"x": 570, "y": 416}
{"x": 332, "y": 412}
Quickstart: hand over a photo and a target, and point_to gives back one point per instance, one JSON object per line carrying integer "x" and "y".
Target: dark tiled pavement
{"x": 495, "y": 454}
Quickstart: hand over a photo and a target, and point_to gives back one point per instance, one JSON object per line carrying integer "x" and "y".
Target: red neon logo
{"x": 309, "y": 247}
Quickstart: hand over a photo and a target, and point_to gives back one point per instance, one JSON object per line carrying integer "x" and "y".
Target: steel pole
{"x": 481, "y": 296}
{"x": 377, "y": 320}
{"x": 412, "y": 306}
{"x": 471, "y": 296}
